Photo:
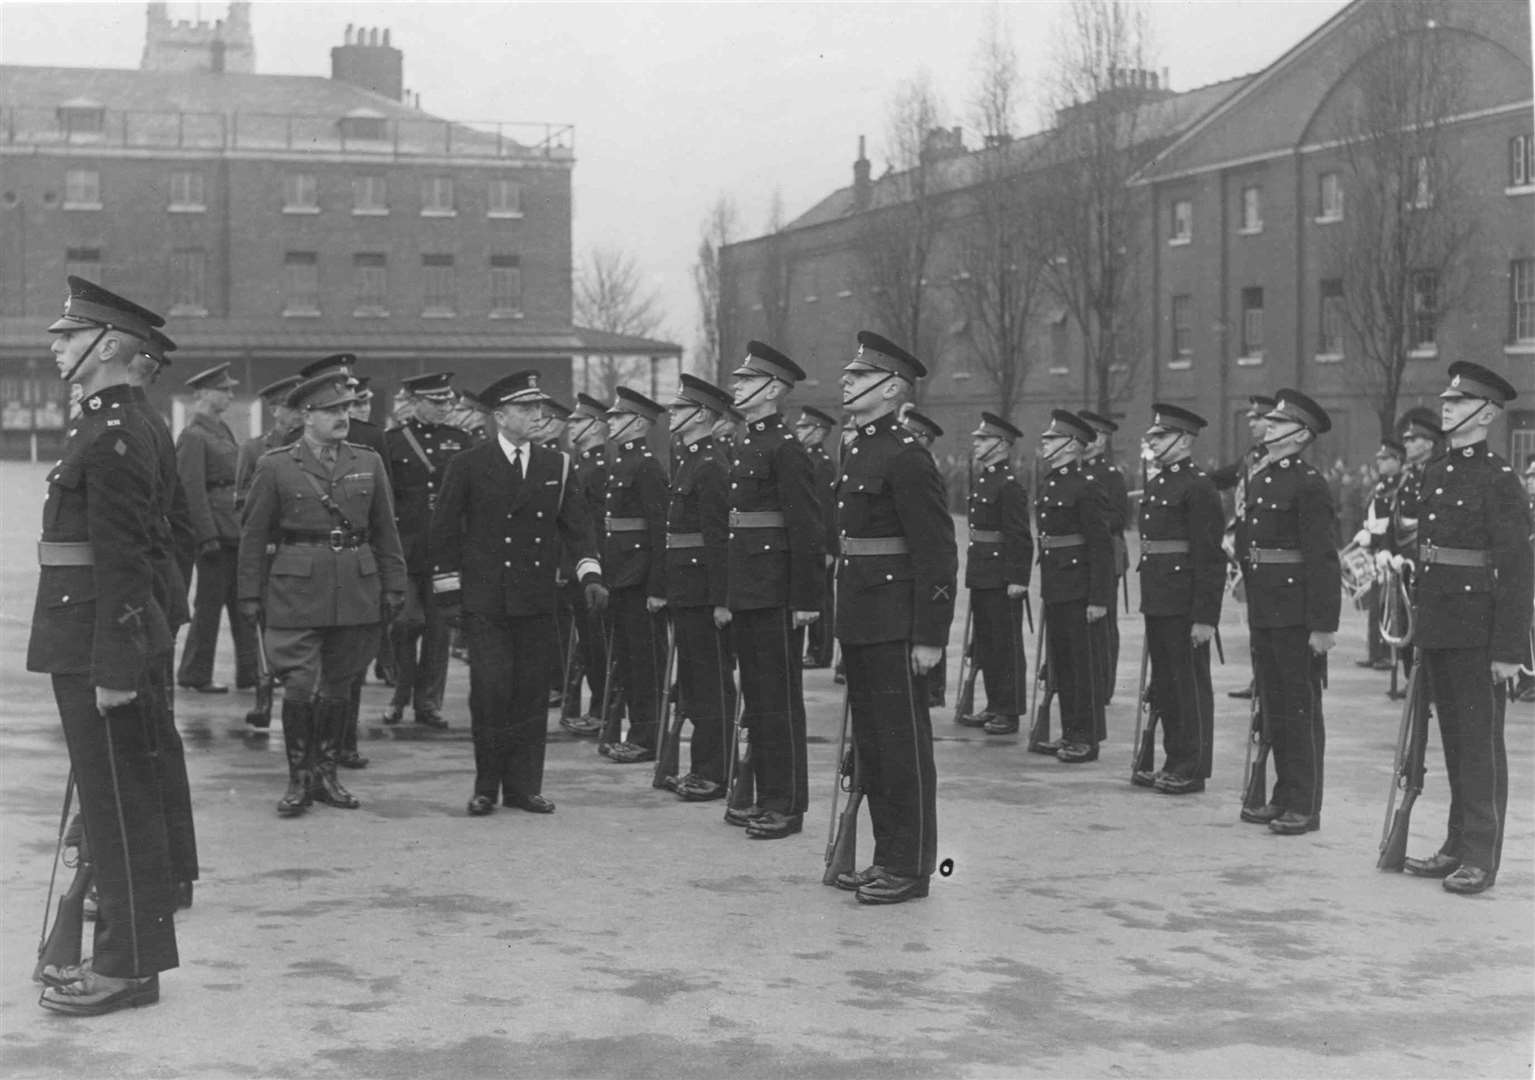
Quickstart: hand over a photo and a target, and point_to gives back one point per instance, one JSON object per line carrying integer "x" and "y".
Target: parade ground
{"x": 1087, "y": 927}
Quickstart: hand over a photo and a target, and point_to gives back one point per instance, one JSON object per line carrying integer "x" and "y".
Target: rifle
{"x": 1255, "y": 791}
{"x": 1143, "y": 747}
{"x": 1044, "y": 674}
{"x": 612, "y": 721}
{"x": 1406, "y": 774}
{"x": 842, "y": 830}
{"x": 964, "y": 700}
{"x": 669, "y": 731}
{"x": 60, "y": 946}
{"x": 260, "y": 717}
{"x": 740, "y": 786}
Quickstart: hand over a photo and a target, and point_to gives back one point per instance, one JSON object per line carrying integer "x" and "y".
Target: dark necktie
{"x": 517, "y": 461}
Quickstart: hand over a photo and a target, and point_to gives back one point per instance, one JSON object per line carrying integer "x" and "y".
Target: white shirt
{"x": 513, "y": 450}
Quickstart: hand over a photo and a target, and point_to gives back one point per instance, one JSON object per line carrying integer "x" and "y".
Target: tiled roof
{"x": 600, "y": 341}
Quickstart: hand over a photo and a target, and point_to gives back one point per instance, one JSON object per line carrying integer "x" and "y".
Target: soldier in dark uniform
{"x": 1183, "y": 577}
{"x": 634, "y": 562}
{"x": 322, "y": 506}
{"x": 206, "y": 454}
{"x": 419, "y": 452}
{"x": 1234, "y": 477}
{"x": 697, "y": 530}
{"x": 895, "y": 601}
{"x": 102, "y": 635}
{"x": 1422, "y": 441}
{"x": 565, "y": 670}
{"x": 285, "y": 426}
{"x": 587, "y": 430}
{"x": 505, "y": 507}
{"x": 927, "y": 431}
{"x": 1472, "y": 620}
{"x": 811, "y": 430}
{"x": 997, "y": 571}
{"x": 845, "y": 439}
{"x": 1524, "y": 687}
{"x": 1102, "y": 471}
{"x": 1076, "y": 583}
{"x": 775, "y": 581}
{"x": 1372, "y": 537}
{"x": 1287, "y": 544}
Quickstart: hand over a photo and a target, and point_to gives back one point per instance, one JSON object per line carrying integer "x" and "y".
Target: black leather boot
{"x": 330, "y": 715}
{"x": 349, "y": 757}
{"x": 298, "y": 742}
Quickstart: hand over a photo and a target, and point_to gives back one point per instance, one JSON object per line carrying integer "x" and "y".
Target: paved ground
{"x": 1089, "y": 928}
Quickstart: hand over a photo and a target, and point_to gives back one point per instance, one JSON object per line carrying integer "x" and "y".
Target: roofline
{"x": 1262, "y": 77}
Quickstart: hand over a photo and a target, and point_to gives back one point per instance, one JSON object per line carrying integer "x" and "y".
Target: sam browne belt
{"x": 1063, "y": 540}
{"x": 756, "y": 519}
{"x": 985, "y": 536}
{"x": 1164, "y": 547}
{"x": 1259, "y": 555}
{"x": 873, "y": 545}
{"x": 684, "y": 540}
{"x": 1429, "y": 552}
{"x": 65, "y": 553}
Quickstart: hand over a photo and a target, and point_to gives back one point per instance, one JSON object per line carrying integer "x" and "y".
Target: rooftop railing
{"x": 254, "y": 132}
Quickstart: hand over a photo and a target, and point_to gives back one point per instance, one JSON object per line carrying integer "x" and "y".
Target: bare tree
{"x": 1409, "y": 219}
{"x": 897, "y": 236}
{"x": 1096, "y": 85}
{"x": 612, "y": 295}
{"x": 715, "y": 322}
{"x": 1000, "y": 261}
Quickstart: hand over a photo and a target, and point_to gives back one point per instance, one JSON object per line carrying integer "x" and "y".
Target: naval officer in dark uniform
{"x": 100, "y": 632}
{"x": 419, "y": 452}
{"x": 895, "y": 601}
{"x": 1183, "y": 578}
{"x": 506, "y": 506}
{"x": 811, "y": 429}
{"x": 1473, "y": 620}
{"x": 998, "y": 566}
{"x": 1287, "y": 544}
{"x": 697, "y": 540}
{"x": 1076, "y": 583}
{"x": 775, "y": 581}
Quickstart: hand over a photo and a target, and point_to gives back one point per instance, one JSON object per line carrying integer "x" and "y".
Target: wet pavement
{"x": 1088, "y": 928}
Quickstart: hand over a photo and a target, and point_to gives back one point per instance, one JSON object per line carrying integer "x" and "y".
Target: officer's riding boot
{"x": 330, "y": 721}
{"x": 298, "y": 742}
{"x": 350, "y": 758}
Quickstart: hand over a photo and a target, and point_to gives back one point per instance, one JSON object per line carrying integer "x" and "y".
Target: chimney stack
{"x": 362, "y": 60}
{"x": 862, "y": 187}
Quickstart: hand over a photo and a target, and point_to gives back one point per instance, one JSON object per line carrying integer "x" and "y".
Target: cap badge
{"x": 1455, "y": 381}
{"x": 533, "y": 382}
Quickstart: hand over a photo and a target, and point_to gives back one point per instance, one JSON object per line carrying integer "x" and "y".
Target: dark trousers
{"x": 708, "y": 690}
{"x": 768, "y": 650}
{"x": 1110, "y": 664}
{"x": 1471, "y": 707}
{"x": 997, "y": 649}
{"x": 1379, "y": 650}
{"x": 118, "y": 781}
{"x": 508, "y": 702}
{"x": 1289, "y": 677}
{"x": 175, "y": 790}
{"x": 893, "y": 738}
{"x": 1078, "y": 652}
{"x": 419, "y": 640}
{"x": 820, "y": 636}
{"x": 591, "y": 631}
{"x": 639, "y": 649}
{"x": 215, "y": 596}
{"x": 1181, "y": 695}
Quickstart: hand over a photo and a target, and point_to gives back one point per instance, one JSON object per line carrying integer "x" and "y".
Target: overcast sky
{"x": 675, "y": 104}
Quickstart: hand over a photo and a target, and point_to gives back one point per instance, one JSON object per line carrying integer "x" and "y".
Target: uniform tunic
{"x": 1467, "y": 617}
{"x": 1076, "y": 569}
{"x": 589, "y": 472}
{"x": 1289, "y": 510}
{"x": 1116, "y": 492}
{"x": 634, "y": 565}
{"x": 1178, "y": 589}
{"x": 890, "y": 490}
{"x": 820, "y": 636}
{"x": 97, "y": 623}
{"x": 1001, "y": 553}
{"x": 774, "y": 571}
{"x": 697, "y": 527}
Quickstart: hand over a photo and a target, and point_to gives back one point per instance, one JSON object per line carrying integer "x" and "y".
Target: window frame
{"x": 1521, "y": 306}
{"x": 1521, "y": 164}
{"x": 293, "y": 298}
{"x": 1419, "y": 343}
{"x": 511, "y": 266}
{"x": 1186, "y": 235}
{"x": 370, "y": 209}
{"x": 1251, "y": 225}
{"x": 1330, "y": 311}
{"x": 193, "y": 200}
{"x": 432, "y": 186}
{"x": 369, "y": 302}
{"x": 76, "y": 198}
{"x": 194, "y": 303}
{"x": 438, "y": 302}
{"x": 293, "y": 185}
{"x": 1252, "y": 319}
{"x": 1181, "y": 317}
{"x": 1329, "y": 211}
{"x": 501, "y": 184}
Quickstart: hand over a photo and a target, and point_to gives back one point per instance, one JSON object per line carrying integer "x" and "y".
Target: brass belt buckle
{"x": 337, "y": 539}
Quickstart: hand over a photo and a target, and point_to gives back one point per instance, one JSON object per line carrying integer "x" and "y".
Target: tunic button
{"x": 508, "y": 564}
{"x": 1431, "y": 517}
{"x": 539, "y": 513}
{"x": 889, "y": 577}
{"x": 64, "y": 599}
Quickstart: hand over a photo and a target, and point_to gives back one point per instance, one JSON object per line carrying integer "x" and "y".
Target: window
{"x": 1183, "y": 331}
{"x": 505, "y": 198}
{"x": 82, "y": 118}
{"x": 1252, "y": 210}
{"x": 1252, "y": 323}
{"x": 364, "y": 127}
{"x": 370, "y": 272}
{"x": 1422, "y": 183}
{"x": 1182, "y": 221}
{"x": 82, "y": 189}
{"x": 189, "y": 267}
{"x": 370, "y": 195}
{"x": 438, "y": 272}
{"x": 1423, "y": 331}
{"x": 437, "y": 196}
{"x": 1330, "y": 201}
{"x": 187, "y": 192}
{"x": 1521, "y": 283}
{"x": 300, "y": 193}
{"x": 1329, "y": 342}
{"x": 84, "y": 262}
{"x": 505, "y": 286}
{"x": 1521, "y": 161}
{"x": 301, "y": 283}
